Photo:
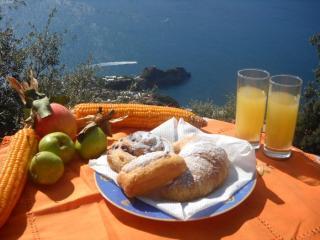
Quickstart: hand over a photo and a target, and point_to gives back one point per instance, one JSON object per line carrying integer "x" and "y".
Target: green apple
{"x": 46, "y": 168}
{"x": 92, "y": 144}
{"x": 58, "y": 143}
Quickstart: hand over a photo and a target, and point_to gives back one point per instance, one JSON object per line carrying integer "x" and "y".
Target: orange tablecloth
{"x": 285, "y": 204}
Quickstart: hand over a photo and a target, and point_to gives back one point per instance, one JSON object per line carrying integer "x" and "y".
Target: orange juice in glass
{"x": 251, "y": 104}
{"x": 282, "y": 112}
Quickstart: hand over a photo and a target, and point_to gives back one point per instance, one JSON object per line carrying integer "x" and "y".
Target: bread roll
{"x": 150, "y": 171}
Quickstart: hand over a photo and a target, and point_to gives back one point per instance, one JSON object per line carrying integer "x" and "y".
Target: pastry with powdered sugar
{"x": 207, "y": 168}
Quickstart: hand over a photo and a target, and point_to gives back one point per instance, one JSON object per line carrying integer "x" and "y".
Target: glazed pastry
{"x": 150, "y": 171}
{"x": 118, "y": 158}
{"x": 134, "y": 145}
{"x": 207, "y": 168}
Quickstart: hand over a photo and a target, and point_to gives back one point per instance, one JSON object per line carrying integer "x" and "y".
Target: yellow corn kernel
{"x": 14, "y": 169}
{"x": 138, "y": 115}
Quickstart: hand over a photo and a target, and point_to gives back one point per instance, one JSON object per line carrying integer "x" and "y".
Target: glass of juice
{"x": 282, "y": 111}
{"x": 252, "y": 90}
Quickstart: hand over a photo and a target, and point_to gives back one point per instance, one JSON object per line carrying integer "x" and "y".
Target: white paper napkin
{"x": 242, "y": 168}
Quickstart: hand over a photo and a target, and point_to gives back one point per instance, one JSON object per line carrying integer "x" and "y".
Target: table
{"x": 285, "y": 204}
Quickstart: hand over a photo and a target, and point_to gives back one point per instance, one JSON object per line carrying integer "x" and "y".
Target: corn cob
{"x": 139, "y": 115}
{"x": 14, "y": 169}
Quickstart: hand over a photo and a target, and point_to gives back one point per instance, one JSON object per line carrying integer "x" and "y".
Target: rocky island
{"x": 150, "y": 78}
{"x": 142, "y": 88}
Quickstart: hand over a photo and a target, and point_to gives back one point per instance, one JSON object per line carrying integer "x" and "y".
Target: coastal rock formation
{"x": 119, "y": 82}
{"x": 139, "y": 89}
{"x": 152, "y": 76}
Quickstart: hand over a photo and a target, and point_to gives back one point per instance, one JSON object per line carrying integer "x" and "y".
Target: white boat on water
{"x": 109, "y": 64}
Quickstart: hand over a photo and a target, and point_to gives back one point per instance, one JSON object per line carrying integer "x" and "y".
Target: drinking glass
{"x": 252, "y": 90}
{"x": 282, "y": 111}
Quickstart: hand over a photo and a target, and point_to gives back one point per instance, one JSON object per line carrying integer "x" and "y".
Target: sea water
{"x": 212, "y": 39}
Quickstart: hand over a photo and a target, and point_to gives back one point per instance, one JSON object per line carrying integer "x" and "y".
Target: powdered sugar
{"x": 203, "y": 159}
{"x": 242, "y": 171}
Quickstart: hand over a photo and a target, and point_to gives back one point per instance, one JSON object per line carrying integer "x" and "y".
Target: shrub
{"x": 43, "y": 49}
{"x": 11, "y": 110}
{"x": 307, "y": 135}
{"x": 79, "y": 84}
{"x": 40, "y": 51}
{"x": 12, "y": 55}
{"x": 208, "y": 109}
{"x": 12, "y": 62}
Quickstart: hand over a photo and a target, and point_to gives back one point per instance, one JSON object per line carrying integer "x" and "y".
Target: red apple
{"x": 60, "y": 120}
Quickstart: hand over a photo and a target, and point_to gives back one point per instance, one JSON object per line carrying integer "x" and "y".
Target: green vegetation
{"x": 12, "y": 58}
{"x": 43, "y": 50}
{"x": 40, "y": 51}
{"x": 208, "y": 109}
{"x": 308, "y": 127}
{"x": 80, "y": 79}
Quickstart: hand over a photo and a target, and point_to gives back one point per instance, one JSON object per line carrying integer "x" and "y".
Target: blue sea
{"x": 212, "y": 39}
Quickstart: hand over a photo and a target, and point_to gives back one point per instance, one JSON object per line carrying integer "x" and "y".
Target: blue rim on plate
{"x": 111, "y": 192}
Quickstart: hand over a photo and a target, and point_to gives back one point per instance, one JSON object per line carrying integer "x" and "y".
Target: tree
{"x": 39, "y": 51}
{"x": 43, "y": 56}
{"x": 12, "y": 55}
{"x": 12, "y": 62}
{"x": 308, "y": 126}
